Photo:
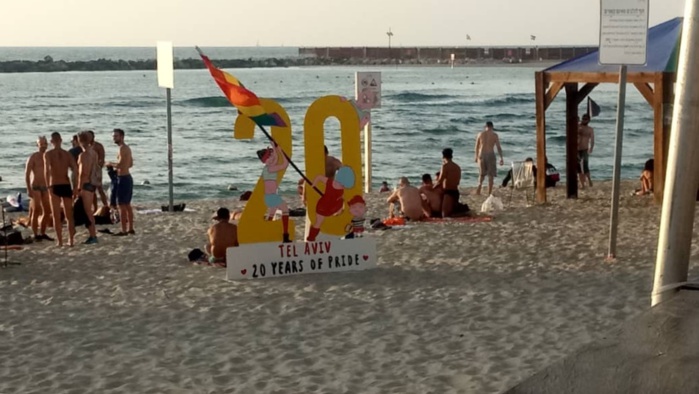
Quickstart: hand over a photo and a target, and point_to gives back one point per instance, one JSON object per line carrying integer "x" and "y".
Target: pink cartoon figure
{"x": 332, "y": 202}
{"x": 357, "y": 208}
{"x": 275, "y": 161}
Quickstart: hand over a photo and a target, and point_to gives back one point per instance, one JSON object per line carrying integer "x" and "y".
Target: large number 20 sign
{"x": 253, "y": 226}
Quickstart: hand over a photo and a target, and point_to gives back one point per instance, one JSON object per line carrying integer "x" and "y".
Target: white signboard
{"x": 368, "y": 89}
{"x": 623, "y": 35}
{"x": 274, "y": 260}
{"x": 166, "y": 72}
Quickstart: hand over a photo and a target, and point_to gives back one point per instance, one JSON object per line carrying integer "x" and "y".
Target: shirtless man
{"x": 88, "y": 169}
{"x": 222, "y": 235}
{"x": 99, "y": 149}
{"x": 124, "y": 190}
{"x": 57, "y": 162}
{"x": 486, "y": 142}
{"x": 433, "y": 196}
{"x": 449, "y": 179}
{"x": 38, "y": 191}
{"x": 586, "y": 142}
{"x": 410, "y": 201}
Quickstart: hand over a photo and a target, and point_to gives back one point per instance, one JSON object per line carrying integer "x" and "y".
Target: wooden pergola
{"x": 580, "y": 76}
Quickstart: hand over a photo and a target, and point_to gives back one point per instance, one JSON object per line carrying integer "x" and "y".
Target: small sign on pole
{"x": 623, "y": 39}
{"x": 165, "y": 59}
{"x": 623, "y": 32}
{"x": 166, "y": 79}
{"x": 368, "y": 96}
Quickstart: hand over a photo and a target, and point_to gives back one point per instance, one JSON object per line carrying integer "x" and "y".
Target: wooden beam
{"x": 662, "y": 111}
{"x": 541, "y": 105}
{"x": 646, "y": 91}
{"x": 605, "y": 77}
{"x": 585, "y": 91}
{"x": 551, "y": 93}
{"x": 572, "y": 140}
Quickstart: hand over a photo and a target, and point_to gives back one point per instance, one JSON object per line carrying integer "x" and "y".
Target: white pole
{"x": 367, "y": 157}
{"x": 614, "y": 216}
{"x": 682, "y": 176}
{"x": 169, "y": 150}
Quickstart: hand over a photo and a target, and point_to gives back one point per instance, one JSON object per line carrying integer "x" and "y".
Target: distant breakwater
{"x": 50, "y": 65}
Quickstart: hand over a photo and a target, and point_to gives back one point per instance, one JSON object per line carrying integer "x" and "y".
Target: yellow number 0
{"x": 252, "y": 227}
{"x": 314, "y": 140}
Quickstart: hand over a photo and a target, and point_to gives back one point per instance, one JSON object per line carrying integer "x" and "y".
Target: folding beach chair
{"x": 522, "y": 178}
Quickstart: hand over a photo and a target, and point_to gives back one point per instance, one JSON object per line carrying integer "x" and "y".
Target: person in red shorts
{"x": 332, "y": 202}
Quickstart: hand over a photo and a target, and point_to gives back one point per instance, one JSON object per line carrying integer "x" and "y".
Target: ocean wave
{"x": 442, "y": 130}
{"x": 206, "y": 102}
{"x": 418, "y": 97}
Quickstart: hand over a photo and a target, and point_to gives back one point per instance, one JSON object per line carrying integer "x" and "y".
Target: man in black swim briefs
{"x": 57, "y": 164}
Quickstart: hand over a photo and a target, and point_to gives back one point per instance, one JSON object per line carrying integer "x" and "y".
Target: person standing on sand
{"x": 99, "y": 149}
{"x": 486, "y": 141}
{"x": 586, "y": 142}
{"x": 124, "y": 189}
{"x": 57, "y": 162}
{"x": 88, "y": 177}
{"x": 38, "y": 191}
{"x": 448, "y": 180}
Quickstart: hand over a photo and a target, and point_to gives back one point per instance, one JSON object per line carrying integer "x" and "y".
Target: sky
{"x": 306, "y": 22}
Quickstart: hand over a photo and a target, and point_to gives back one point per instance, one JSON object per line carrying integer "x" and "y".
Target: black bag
{"x": 12, "y": 238}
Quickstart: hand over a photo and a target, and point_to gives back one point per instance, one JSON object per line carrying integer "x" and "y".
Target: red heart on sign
{"x": 243, "y": 272}
{"x": 366, "y": 257}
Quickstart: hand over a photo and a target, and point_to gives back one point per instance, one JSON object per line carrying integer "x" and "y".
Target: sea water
{"x": 424, "y": 109}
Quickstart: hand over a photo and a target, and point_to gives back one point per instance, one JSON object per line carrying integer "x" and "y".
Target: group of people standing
{"x": 57, "y": 179}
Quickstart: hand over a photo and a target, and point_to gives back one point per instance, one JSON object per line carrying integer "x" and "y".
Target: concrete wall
{"x": 444, "y": 53}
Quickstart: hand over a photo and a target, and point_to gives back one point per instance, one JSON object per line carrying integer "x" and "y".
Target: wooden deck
{"x": 657, "y": 352}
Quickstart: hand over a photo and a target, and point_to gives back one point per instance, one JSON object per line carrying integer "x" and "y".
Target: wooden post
{"x": 540, "y": 89}
{"x": 662, "y": 112}
{"x": 572, "y": 140}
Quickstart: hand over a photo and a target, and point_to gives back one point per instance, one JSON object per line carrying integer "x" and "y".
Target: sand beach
{"x": 451, "y": 308}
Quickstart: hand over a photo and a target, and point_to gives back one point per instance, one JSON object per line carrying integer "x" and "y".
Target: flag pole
{"x": 305, "y": 178}
{"x": 275, "y": 143}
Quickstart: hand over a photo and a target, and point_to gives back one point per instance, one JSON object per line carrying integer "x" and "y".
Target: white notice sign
{"x": 166, "y": 72}
{"x": 275, "y": 260}
{"x": 623, "y": 35}
{"x": 368, "y": 89}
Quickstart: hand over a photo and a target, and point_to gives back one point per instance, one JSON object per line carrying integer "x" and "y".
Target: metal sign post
{"x": 679, "y": 201}
{"x": 166, "y": 79}
{"x": 623, "y": 39}
{"x": 368, "y": 96}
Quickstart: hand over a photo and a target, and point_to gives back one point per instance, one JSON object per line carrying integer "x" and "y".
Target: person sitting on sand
{"x": 410, "y": 200}
{"x": 646, "y": 179}
{"x": 222, "y": 235}
{"x": 433, "y": 196}
{"x": 552, "y": 175}
{"x": 448, "y": 180}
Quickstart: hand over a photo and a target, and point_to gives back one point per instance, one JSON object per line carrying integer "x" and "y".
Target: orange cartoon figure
{"x": 331, "y": 203}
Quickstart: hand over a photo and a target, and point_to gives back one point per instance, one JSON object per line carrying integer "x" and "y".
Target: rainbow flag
{"x": 243, "y": 99}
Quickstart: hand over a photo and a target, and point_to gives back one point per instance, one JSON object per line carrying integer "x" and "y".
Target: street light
{"x": 389, "y": 33}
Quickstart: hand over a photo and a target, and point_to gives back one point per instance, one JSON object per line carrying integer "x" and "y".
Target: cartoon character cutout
{"x": 332, "y": 201}
{"x": 275, "y": 161}
{"x": 357, "y": 208}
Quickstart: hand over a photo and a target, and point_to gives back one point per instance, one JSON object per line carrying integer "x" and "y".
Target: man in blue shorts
{"x": 124, "y": 184}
